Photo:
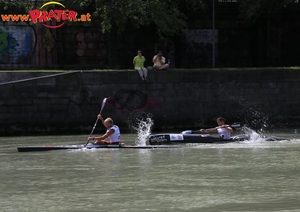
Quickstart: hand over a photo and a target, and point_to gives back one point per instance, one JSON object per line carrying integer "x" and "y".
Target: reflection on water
{"x": 256, "y": 176}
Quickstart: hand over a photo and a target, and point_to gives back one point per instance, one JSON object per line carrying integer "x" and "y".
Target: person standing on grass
{"x": 138, "y": 62}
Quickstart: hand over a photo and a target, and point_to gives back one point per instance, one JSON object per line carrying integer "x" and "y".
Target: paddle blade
{"x": 187, "y": 132}
{"x": 103, "y": 104}
{"x": 236, "y": 125}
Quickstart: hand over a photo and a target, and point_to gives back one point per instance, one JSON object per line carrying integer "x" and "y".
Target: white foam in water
{"x": 254, "y": 136}
{"x": 143, "y": 130}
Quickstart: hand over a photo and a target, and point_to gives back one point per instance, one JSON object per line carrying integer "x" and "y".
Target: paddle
{"x": 102, "y": 106}
{"x": 234, "y": 125}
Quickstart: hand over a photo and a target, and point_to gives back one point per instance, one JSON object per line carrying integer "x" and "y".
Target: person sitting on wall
{"x": 160, "y": 62}
{"x": 138, "y": 62}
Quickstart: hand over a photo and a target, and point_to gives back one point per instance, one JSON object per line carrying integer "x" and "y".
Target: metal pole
{"x": 213, "y": 34}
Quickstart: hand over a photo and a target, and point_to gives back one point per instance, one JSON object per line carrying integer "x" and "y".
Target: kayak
{"x": 159, "y": 139}
{"x": 89, "y": 146}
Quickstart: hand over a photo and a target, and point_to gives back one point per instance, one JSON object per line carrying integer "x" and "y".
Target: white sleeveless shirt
{"x": 223, "y": 133}
{"x": 115, "y": 137}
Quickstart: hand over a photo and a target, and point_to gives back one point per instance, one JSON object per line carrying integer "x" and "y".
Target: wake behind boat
{"x": 181, "y": 138}
{"x": 89, "y": 146}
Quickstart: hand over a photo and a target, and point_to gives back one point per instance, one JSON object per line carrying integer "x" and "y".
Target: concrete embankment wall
{"x": 68, "y": 102}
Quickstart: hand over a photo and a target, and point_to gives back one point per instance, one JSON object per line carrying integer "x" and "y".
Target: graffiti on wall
{"x": 7, "y": 45}
{"x": 198, "y": 47}
{"x": 84, "y": 103}
{"x": 91, "y": 45}
{"x": 132, "y": 100}
{"x": 48, "y": 41}
{"x": 17, "y": 43}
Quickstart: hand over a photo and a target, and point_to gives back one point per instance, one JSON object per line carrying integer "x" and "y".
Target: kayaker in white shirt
{"x": 222, "y": 129}
{"x": 112, "y": 132}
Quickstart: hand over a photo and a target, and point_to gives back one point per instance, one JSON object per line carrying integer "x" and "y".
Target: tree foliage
{"x": 19, "y": 5}
{"x": 168, "y": 16}
{"x": 251, "y": 10}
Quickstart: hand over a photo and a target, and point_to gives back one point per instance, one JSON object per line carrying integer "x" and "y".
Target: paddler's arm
{"x": 101, "y": 118}
{"x": 208, "y": 130}
{"x": 100, "y": 138}
{"x": 227, "y": 127}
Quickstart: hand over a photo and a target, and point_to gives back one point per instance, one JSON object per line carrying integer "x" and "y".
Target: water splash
{"x": 140, "y": 123}
{"x": 255, "y": 137}
{"x": 251, "y": 112}
{"x": 143, "y": 130}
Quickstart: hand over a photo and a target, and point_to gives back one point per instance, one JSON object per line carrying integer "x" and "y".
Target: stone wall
{"x": 68, "y": 102}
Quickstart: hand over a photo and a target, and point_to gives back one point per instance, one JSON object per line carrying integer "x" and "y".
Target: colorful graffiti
{"x": 43, "y": 16}
{"x": 7, "y": 45}
{"x": 48, "y": 41}
{"x": 17, "y": 43}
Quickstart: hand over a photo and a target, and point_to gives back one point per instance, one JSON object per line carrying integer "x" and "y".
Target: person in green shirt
{"x": 138, "y": 62}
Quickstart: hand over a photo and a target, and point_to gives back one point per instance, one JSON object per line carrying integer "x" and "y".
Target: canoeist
{"x": 222, "y": 129}
{"x": 112, "y": 132}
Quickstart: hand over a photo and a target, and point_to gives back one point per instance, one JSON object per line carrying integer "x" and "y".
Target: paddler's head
{"x": 108, "y": 122}
{"x": 221, "y": 121}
